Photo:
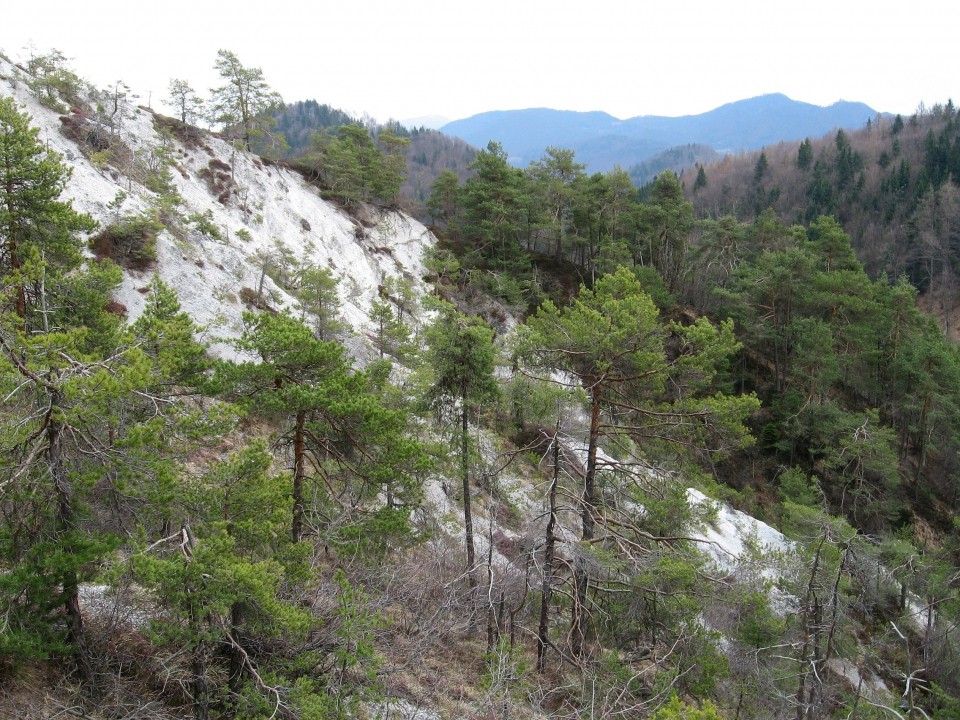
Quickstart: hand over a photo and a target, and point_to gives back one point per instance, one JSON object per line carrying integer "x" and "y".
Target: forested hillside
{"x": 308, "y": 127}
{"x": 891, "y": 184}
{"x": 271, "y": 449}
{"x": 676, "y": 160}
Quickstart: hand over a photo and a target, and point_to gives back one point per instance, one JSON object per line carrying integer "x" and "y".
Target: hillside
{"x": 676, "y": 160}
{"x": 266, "y": 455}
{"x": 241, "y": 223}
{"x": 602, "y": 141}
{"x": 429, "y": 152}
{"x": 891, "y": 184}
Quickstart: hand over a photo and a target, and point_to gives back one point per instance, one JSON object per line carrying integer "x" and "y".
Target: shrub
{"x": 676, "y": 709}
{"x": 190, "y": 135}
{"x": 219, "y": 179}
{"x": 205, "y": 225}
{"x": 116, "y": 308}
{"x": 53, "y": 82}
{"x": 130, "y": 242}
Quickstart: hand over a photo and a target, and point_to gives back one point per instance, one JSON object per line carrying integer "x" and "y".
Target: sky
{"x": 456, "y": 58}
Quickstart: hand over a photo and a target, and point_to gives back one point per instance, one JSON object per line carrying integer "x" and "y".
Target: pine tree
{"x": 39, "y": 239}
{"x": 462, "y": 357}
{"x": 243, "y": 103}
{"x": 341, "y": 435}
{"x": 495, "y": 211}
{"x": 444, "y": 203}
{"x": 612, "y": 341}
{"x": 225, "y": 580}
{"x": 184, "y": 100}
{"x": 665, "y": 223}
{"x": 316, "y": 288}
{"x": 555, "y": 181}
{"x": 760, "y": 169}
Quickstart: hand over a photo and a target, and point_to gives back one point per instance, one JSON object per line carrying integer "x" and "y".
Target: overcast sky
{"x": 456, "y": 58}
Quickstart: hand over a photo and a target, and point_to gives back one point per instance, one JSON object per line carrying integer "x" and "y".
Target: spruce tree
{"x": 805, "y": 155}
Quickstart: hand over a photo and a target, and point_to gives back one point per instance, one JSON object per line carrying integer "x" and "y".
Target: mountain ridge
{"x": 598, "y": 137}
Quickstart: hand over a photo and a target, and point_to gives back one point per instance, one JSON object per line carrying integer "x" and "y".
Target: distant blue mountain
{"x": 601, "y": 141}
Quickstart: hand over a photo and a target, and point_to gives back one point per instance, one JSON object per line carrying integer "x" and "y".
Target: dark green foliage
{"x": 316, "y": 288}
{"x": 760, "y": 169}
{"x": 805, "y": 154}
{"x": 298, "y": 121}
{"x": 848, "y": 162}
{"x": 664, "y": 226}
{"x": 226, "y": 584}
{"x": 462, "y": 358}
{"x": 555, "y": 183}
{"x": 355, "y": 167}
{"x": 873, "y": 181}
{"x": 425, "y": 153}
{"x": 62, "y": 367}
{"x": 701, "y": 181}
{"x": 836, "y": 345}
{"x": 166, "y": 334}
{"x": 38, "y": 231}
{"x": 495, "y": 212}
{"x": 820, "y": 193}
{"x": 255, "y": 554}
{"x": 444, "y": 204}
{"x": 391, "y": 336}
{"x": 675, "y": 709}
{"x": 35, "y": 587}
{"x": 461, "y": 354}
{"x": 676, "y": 160}
{"x": 112, "y": 425}
{"x": 53, "y": 82}
{"x": 612, "y": 341}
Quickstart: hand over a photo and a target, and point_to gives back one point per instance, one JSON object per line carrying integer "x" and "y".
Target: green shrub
{"x": 205, "y": 225}
{"x": 53, "y": 83}
{"x": 675, "y": 709}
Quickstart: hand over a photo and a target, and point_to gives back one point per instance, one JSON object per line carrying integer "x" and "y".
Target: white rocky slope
{"x": 271, "y": 210}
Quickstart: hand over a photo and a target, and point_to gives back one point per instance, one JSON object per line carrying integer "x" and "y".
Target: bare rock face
{"x": 241, "y": 226}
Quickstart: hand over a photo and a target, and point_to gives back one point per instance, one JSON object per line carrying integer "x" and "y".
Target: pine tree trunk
{"x": 810, "y": 594}
{"x": 235, "y": 674}
{"x": 467, "y": 511}
{"x": 578, "y": 632}
{"x": 299, "y": 453}
{"x": 199, "y": 685}
{"x": 543, "y": 629}
{"x": 13, "y": 254}
{"x": 493, "y": 622}
{"x": 923, "y": 435}
{"x": 66, "y": 522}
